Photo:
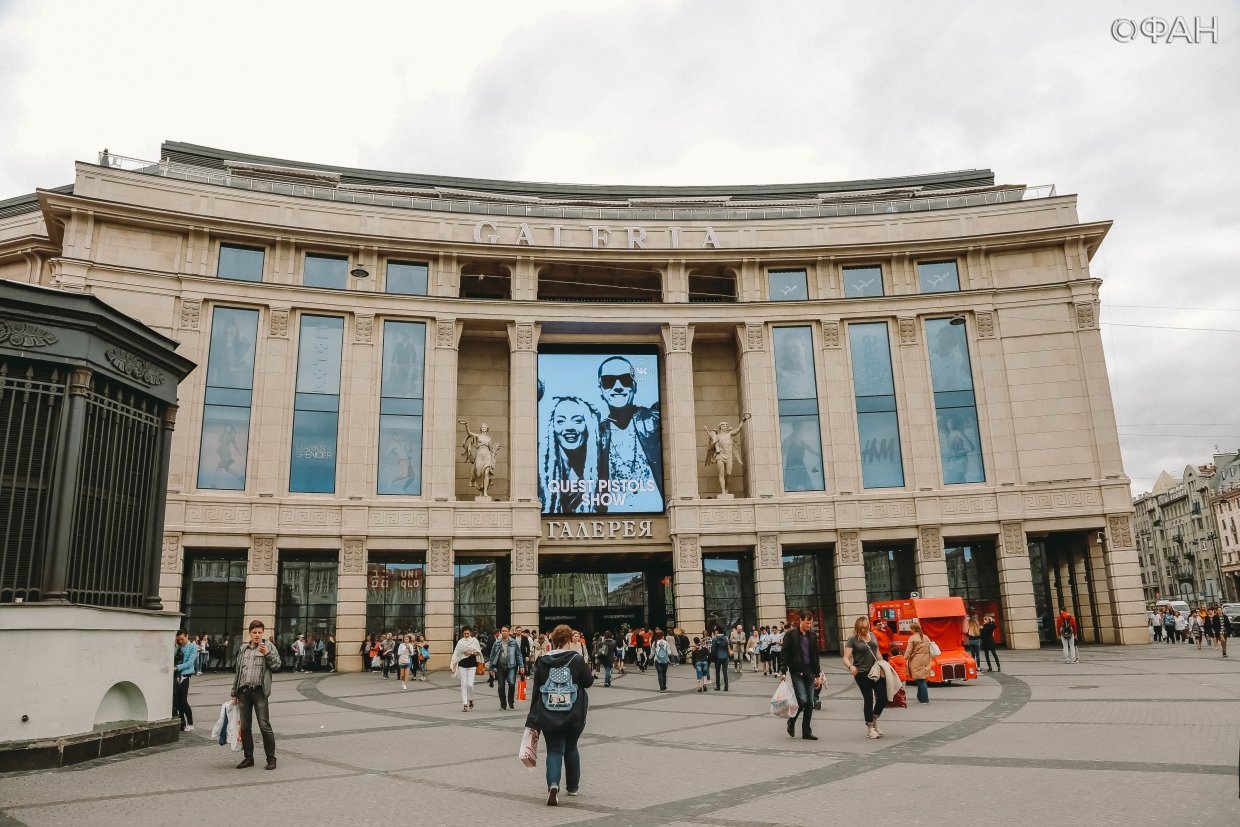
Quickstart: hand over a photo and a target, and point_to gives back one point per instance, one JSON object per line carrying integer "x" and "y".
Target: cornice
{"x": 1090, "y": 233}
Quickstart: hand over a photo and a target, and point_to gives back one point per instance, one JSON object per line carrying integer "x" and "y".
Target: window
{"x": 406, "y": 278}
{"x": 395, "y": 594}
{"x": 306, "y": 602}
{"x": 938, "y": 276}
{"x": 863, "y": 281}
{"x": 213, "y": 601}
{"x": 400, "y": 408}
{"x": 878, "y": 424}
{"x": 809, "y": 583}
{"x": 973, "y": 574}
{"x": 225, "y": 441}
{"x": 788, "y": 285}
{"x": 951, "y": 376}
{"x": 890, "y": 572}
{"x": 799, "y": 433}
{"x": 331, "y": 272}
{"x": 728, "y": 591}
{"x": 476, "y": 595}
{"x": 241, "y": 263}
{"x": 316, "y": 406}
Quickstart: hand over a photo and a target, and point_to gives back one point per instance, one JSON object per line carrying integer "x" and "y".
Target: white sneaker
{"x": 871, "y": 732}
{"x": 189, "y": 727}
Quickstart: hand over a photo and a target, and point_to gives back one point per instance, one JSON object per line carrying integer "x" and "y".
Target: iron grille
{"x": 113, "y": 518}
{"x": 31, "y": 401}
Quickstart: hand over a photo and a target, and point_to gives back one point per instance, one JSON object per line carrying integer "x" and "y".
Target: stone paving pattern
{"x": 1132, "y": 736}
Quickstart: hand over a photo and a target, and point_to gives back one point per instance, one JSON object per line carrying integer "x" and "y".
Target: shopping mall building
{"x": 914, "y": 365}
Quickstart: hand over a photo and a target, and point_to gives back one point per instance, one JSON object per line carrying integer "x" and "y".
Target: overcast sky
{"x": 1148, "y": 135}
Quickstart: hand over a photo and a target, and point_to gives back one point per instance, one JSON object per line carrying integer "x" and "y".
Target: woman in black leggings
{"x": 988, "y": 643}
{"x": 861, "y": 653}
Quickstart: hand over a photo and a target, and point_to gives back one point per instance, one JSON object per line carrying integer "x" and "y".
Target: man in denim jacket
{"x": 505, "y": 661}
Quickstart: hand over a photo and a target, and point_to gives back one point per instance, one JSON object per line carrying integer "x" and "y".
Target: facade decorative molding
{"x": 830, "y": 333}
{"x": 447, "y": 334}
{"x": 308, "y": 515}
{"x": 190, "y": 311}
{"x": 524, "y": 556}
{"x": 908, "y": 330}
{"x": 399, "y": 518}
{"x": 755, "y": 337}
{"x": 677, "y": 338}
{"x": 23, "y": 334}
{"x": 263, "y": 555}
{"x": 930, "y": 543}
{"x": 523, "y": 337}
{"x": 1062, "y": 500}
{"x": 168, "y": 417}
{"x": 135, "y": 366}
{"x": 79, "y": 381}
{"x": 170, "y": 559}
{"x": 1085, "y": 319}
{"x": 353, "y": 559}
{"x": 278, "y": 323}
{"x": 968, "y": 506}
{"x": 850, "y": 548}
{"x": 439, "y": 559}
{"x": 1012, "y": 537}
{"x": 816, "y": 515}
{"x": 889, "y": 510}
{"x": 1119, "y": 526}
{"x": 363, "y": 328}
{"x": 483, "y": 519}
{"x": 231, "y": 514}
{"x": 768, "y": 551}
{"x": 688, "y": 554}
{"x": 985, "y": 324}
{"x": 727, "y": 516}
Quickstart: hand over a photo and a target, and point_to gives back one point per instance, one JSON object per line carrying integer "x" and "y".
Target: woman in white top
{"x": 406, "y": 656}
{"x": 579, "y": 645}
{"x": 464, "y": 665}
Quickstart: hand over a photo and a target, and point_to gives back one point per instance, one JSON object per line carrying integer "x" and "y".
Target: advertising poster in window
{"x": 600, "y": 440}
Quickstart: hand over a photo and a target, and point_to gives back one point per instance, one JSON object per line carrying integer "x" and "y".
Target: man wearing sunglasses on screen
{"x": 630, "y": 442}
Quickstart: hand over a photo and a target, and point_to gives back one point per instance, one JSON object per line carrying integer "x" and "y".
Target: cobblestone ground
{"x": 1135, "y": 736}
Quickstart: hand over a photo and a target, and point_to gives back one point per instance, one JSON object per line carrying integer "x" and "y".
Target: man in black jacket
{"x": 800, "y": 655}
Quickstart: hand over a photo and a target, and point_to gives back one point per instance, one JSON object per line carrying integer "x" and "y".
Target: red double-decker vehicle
{"x": 943, "y": 621}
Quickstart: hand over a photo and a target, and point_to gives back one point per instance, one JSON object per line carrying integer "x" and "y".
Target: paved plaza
{"x": 1136, "y": 735}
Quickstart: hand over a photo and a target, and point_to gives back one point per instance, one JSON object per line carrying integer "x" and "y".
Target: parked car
{"x": 1232, "y": 610}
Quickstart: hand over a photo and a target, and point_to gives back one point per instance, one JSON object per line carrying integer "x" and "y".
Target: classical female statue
{"x": 479, "y": 449}
{"x": 722, "y": 451}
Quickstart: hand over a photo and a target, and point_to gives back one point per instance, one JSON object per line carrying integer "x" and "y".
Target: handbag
{"x": 481, "y": 668}
{"x": 900, "y": 700}
{"x": 528, "y": 752}
{"x": 935, "y": 651}
{"x": 521, "y": 688}
{"x": 784, "y": 701}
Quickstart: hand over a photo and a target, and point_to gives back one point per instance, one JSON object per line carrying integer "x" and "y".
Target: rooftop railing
{"x": 447, "y": 203}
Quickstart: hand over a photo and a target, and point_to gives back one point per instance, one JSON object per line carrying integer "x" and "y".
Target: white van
{"x": 1175, "y": 605}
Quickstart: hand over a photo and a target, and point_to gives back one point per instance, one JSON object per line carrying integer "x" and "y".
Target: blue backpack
{"x": 720, "y": 647}
{"x": 559, "y": 693}
{"x": 660, "y": 651}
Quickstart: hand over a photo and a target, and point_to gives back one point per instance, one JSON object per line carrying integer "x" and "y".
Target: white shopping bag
{"x": 529, "y": 748}
{"x": 784, "y": 701}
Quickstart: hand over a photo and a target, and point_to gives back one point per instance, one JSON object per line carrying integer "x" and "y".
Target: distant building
{"x": 1225, "y": 507}
{"x": 1178, "y": 539}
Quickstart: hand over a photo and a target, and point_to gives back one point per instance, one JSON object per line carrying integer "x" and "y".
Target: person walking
{"x": 251, "y": 687}
{"x": 607, "y": 656}
{"x": 184, "y": 664}
{"x": 558, "y": 710}
{"x": 464, "y": 665}
{"x": 737, "y": 639}
{"x": 662, "y": 654}
{"x": 860, "y": 655}
{"x": 800, "y": 652}
{"x": 506, "y": 663}
{"x": 329, "y": 653}
{"x": 719, "y": 654}
{"x": 918, "y": 660}
{"x": 1169, "y": 626}
{"x": 1067, "y": 628}
{"x": 405, "y": 653}
{"x": 365, "y": 652}
{"x": 387, "y": 652}
{"x": 988, "y": 642}
{"x": 1157, "y": 625}
{"x": 701, "y": 663}
{"x": 777, "y": 643}
{"x": 1181, "y": 626}
{"x": 424, "y": 655}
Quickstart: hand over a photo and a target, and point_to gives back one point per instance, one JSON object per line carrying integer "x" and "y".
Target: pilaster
{"x": 523, "y": 582}
{"x": 931, "y": 563}
{"x": 359, "y": 410}
{"x": 351, "y": 604}
{"x": 689, "y": 584}
{"x": 523, "y": 411}
{"x": 261, "y": 582}
{"x": 679, "y": 427}
{"x": 442, "y": 428}
{"x": 1123, "y": 581}
{"x": 1020, "y": 616}
{"x": 762, "y": 450}
{"x": 769, "y": 581}
{"x": 440, "y": 602}
{"x": 842, "y": 449}
{"x": 852, "y": 601}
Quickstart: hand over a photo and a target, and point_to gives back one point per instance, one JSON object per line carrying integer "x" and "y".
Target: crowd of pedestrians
{"x": 1210, "y": 627}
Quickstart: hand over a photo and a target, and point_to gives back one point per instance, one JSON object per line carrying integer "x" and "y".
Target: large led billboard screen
{"x": 600, "y": 438}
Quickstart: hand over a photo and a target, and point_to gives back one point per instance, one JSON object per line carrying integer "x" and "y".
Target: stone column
{"x": 359, "y": 411}
{"x": 523, "y": 412}
{"x": 1096, "y": 587}
{"x": 441, "y": 428}
{"x": 689, "y": 583}
{"x": 523, "y": 583}
{"x": 351, "y": 605}
{"x": 914, "y": 394}
{"x": 261, "y": 582}
{"x": 676, "y": 282}
{"x": 769, "y": 581}
{"x": 171, "y": 572}
{"x": 1101, "y": 409}
{"x": 679, "y": 426}
{"x": 1123, "y": 582}
{"x": 275, "y": 378}
{"x": 763, "y": 462}
{"x": 1020, "y": 615}
{"x": 852, "y": 601}
{"x": 994, "y": 406}
{"x": 842, "y": 451}
{"x": 931, "y": 563}
{"x": 440, "y": 602}
{"x": 54, "y": 582}
{"x": 523, "y": 284}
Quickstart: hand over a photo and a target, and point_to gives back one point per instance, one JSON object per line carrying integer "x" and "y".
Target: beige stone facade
{"x": 147, "y": 240}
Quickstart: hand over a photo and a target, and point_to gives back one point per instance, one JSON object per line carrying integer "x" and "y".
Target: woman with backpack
{"x": 558, "y": 710}
{"x": 661, "y": 651}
